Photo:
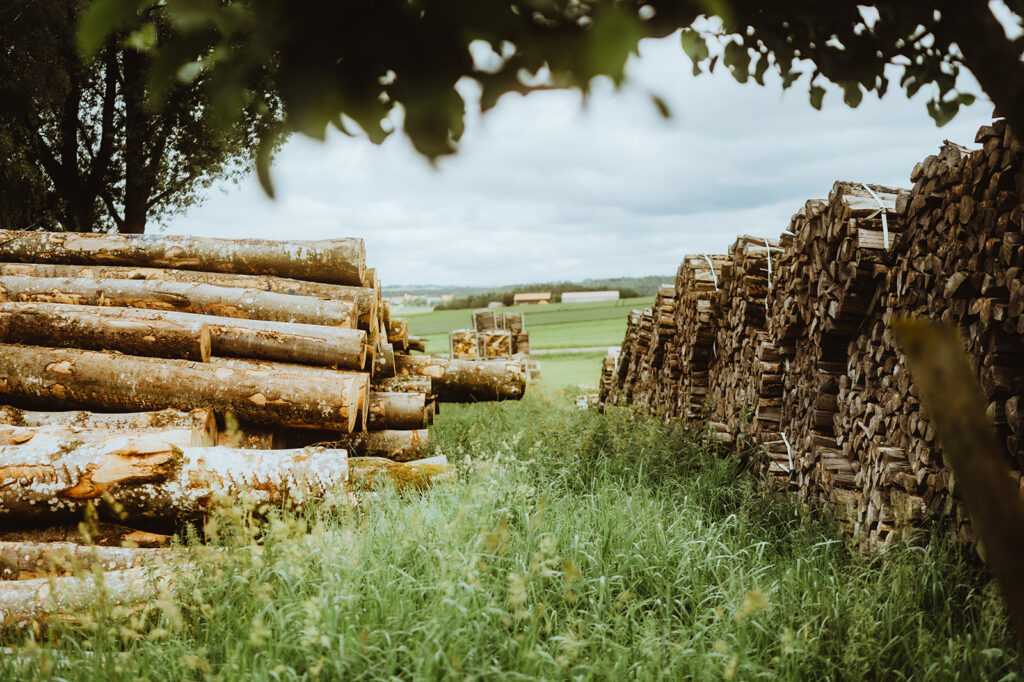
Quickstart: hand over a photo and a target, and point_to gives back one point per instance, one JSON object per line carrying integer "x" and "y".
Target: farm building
{"x": 534, "y": 298}
{"x": 585, "y": 296}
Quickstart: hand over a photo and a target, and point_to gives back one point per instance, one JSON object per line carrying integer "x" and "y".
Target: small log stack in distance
{"x": 832, "y": 402}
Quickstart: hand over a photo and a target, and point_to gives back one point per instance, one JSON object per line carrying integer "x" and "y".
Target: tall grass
{"x": 574, "y": 545}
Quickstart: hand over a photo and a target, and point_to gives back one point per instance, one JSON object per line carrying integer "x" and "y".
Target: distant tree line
{"x": 506, "y": 297}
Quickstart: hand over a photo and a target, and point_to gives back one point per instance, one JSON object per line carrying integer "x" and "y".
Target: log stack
{"x": 162, "y": 373}
{"x": 699, "y": 283}
{"x": 833, "y": 406}
{"x": 494, "y": 336}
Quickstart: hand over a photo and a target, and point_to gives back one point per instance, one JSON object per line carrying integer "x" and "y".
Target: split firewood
{"x": 181, "y": 297}
{"x": 93, "y": 380}
{"x": 334, "y": 261}
{"x": 463, "y": 344}
{"x": 368, "y": 473}
{"x": 365, "y": 299}
{"x": 458, "y": 381}
{"x": 151, "y": 480}
{"x": 112, "y": 329}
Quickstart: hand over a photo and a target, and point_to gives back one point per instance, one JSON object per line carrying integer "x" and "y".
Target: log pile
{"x": 494, "y": 336}
{"x": 812, "y": 360}
{"x": 150, "y": 377}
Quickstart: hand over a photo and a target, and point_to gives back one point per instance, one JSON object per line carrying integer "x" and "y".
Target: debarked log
{"x": 182, "y": 297}
{"x": 24, "y": 560}
{"x": 368, "y": 473}
{"x": 364, "y": 298}
{"x": 151, "y": 480}
{"x": 335, "y": 261}
{"x": 35, "y": 435}
{"x": 154, "y": 333}
{"x": 459, "y": 381}
{"x": 102, "y": 381}
{"x": 403, "y": 383}
{"x": 112, "y": 329}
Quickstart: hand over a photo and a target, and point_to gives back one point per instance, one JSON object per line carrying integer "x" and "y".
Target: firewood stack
{"x": 164, "y": 371}
{"x": 742, "y": 303}
{"x": 834, "y": 407}
{"x": 698, "y": 284}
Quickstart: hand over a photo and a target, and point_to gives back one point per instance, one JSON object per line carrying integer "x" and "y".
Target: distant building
{"x": 447, "y": 297}
{"x": 494, "y": 304}
{"x": 585, "y": 296}
{"x": 527, "y": 299}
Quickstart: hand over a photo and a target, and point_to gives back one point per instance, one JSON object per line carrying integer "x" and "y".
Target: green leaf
{"x": 662, "y": 106}
{"x": 761, "y": 68}
{"x": 695, "y": 47}
{"x": 104, "y": 17}
{"x": 737, "y": 59}
{"x": 852, "y": 94}
{"x": 817, "y": 94}
{"x": 943, "y": 112}
{"x": 143, "y": 39}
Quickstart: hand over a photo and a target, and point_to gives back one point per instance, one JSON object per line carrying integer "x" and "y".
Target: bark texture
{"x": 462, "y": 381}
{"x": 88, "y": 379}
{"x": 397, "y": 411}
{"x": 334, "y": 261}
{"x": 181, "y": 297}
{"x": 114, "y": 329}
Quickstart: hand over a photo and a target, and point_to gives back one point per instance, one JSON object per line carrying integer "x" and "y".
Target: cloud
{"x": 546, "y": 188}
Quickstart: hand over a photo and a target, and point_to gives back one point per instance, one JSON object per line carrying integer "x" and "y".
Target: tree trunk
{"x": 464, "y": 381}
{"x": 368, "y": 473}
{"x": 402, "y": 383}
{"x": 364, "y": 298}
{"x": 332, "y": 261}
{"x": 99, "y": 534}
{"x": 330, "y": 377}
{"x": 22, "y": 600}
{"x": 180, "y": 297}
{"x": 35, "y": 435}
{"x": 398, "y": 333}
{"x": 150, "y": 480}
{"x": 113, "y": 329}
{"x": 201, "y": 420}
{"x": 111, "y": 382}
{"x": 26, "y": 560}
{"x": 400, "y": 446}
{"x": 400, "y": 411}
{"x": 137, "y": 183}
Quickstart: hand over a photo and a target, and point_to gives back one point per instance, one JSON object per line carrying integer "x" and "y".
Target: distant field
{"x": 558, "y": 325}
{"x": 559, "y": 370}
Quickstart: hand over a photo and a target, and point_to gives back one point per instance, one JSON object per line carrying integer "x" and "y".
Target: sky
{"x": 548, "y": 188}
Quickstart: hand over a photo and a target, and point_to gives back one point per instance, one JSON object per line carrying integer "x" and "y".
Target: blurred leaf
{"x": 738, "y": 60}
{"x": 662, "y": 106}
{"x": 852, "y": 94}
{"x": 817, "y": 95}
{"x": 143, "y": 39}
{"x": 695, "y": 47}
{"x": 103, "y": 17}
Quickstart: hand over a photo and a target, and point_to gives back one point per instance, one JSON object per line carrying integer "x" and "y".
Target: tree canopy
{"x": 85, "y": 147}
{"x": 340, "y": 62}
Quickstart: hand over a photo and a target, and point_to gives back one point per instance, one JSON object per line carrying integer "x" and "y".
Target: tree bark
{"x": 104, "y": 329}
{"x": 36, "y": 435}
{"x": 201, "y": 420}
{"x": 332, "y": 261}
{"x": 462, "y": 381}
{"x": 259, "y": 339}
{"x": 400, "y": 446}
{"x": 102, "y": 381}
{"x": 180, "y": 297}
{"x": 26, "y": 560}
{"x": 384, "y": 361}
{"x": 364, "y": 298}
{"x": 369, "y": 473}
{"x": 400, "y": 411}
{"x": 299, "y": 373}
{"x": 99, "y": 534}
{"x": 151, "y": 480}
{"x": 402, "y": 383}
{"x": 398, "y": 333}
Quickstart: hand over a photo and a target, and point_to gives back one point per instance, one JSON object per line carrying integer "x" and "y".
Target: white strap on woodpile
{"x": 768, "y": 253}
{"x": 881, "y": 209}
{"x": 789, "y": 450}
{"x": 714, "y": 277}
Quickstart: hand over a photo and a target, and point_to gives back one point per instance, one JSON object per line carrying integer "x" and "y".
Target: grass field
{"x": 558, "y": 325}
{"x": 572, "y": 546}
{"x": 563, "y": 370}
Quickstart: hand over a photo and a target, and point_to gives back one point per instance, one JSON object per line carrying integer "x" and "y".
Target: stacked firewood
{"x": 494, "y": 336}
{"x": 698, "y": 284}
{"x": 161, "y": 372}
{"x": 833, "y": 404}
{"x": 742, "y": 303}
